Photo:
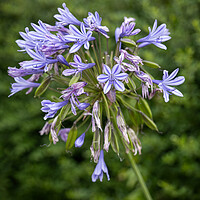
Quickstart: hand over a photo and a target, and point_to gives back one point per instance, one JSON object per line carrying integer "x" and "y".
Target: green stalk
{"x": 97, "y": 61}
{"x": 139, "y": 176}
{"x": 132, "y": 162}
{"x": 100, "y": 58}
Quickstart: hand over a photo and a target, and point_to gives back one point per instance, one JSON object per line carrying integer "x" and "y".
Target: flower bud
{"x": 80, "y": 140}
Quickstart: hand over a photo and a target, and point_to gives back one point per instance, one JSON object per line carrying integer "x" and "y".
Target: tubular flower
{"x": 100, "y": 169}
{"x": 156, "y": 36}
{"x": 168, "y": 81}
{"x": 22, "y": 84}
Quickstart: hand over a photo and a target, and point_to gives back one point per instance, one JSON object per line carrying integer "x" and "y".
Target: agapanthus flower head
{"x": 168, "y": 81}
{"x": 78, "y": 65}
{"x": 79, "y": 38}
{"x": 126, "y": 29}
{"x": 92, "y": 85}
{"x": 21, "y": 84}
{"x": 112, "y": 77}
{"x": 156, "y": 36}
{"x": 100, "y": 169}
{"x": 93, "y": 23}
{"x": 66, "y": 17}
{"x": 51, "y": 108}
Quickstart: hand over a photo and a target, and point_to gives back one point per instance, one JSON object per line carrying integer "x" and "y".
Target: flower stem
{"x": 132, "y": 161}
{"x": 139, "y": 176}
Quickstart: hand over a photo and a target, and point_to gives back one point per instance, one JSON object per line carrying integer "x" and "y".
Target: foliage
{"x": 169, "y": 161}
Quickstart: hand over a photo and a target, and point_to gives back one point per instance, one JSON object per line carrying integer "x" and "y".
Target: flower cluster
{"x": 91, "y": 86}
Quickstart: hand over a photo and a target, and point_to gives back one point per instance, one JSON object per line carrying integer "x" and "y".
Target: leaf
{"x": 74, "y": 79}
{"x": 64, "y": 111}
{"x": 144, "y": 107}
{"x": 131, "y": 84}
{"x": 149, "y": 122}
{"x": 151, "y": 64}
{"x": 43, "y": 86}
{"x": 71, "y": 137}
{"x": 128, "y": 42}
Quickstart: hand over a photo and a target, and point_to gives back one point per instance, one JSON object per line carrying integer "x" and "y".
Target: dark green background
{"x": 169, "y": 161}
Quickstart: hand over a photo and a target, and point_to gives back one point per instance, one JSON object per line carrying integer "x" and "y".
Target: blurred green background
{"x": 169, "y": 161}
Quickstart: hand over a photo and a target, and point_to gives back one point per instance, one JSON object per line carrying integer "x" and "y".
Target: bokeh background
{"x": 169, "y": 161}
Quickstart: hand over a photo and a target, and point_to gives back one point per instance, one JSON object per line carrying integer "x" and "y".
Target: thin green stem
{"x": 139, "y": 176}
{"x": 100, "y": 58}
{"x": 97, "y": 61}
{"x": 132, "y": 161}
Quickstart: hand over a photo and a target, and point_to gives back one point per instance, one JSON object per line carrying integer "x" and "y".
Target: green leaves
{"x": 74, "y": 79}
{"x": 43, "y": 86}
{"x": 128, "y": 42}
{"x": 151, "y": 64}
{"x": 71, "y": 137}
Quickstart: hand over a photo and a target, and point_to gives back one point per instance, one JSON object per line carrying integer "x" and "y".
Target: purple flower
{"x": 146, "y": 83}
{"x": 126, "y": 29}
{"x": 63, "y": 133}
{"x": 94, "y": 24}
{"x": 45, "y": 129}
{"x": 66, "y": 16}
{"x": 167, "y": 82}
{"x": 79, "y": 65}
{"x": 39, "y": 60}
{"x": 28, "y": 42}
{"x": 79, "y": 37}
{"x": 100, "y": 169}
{"x": 71, "y": 94}
{"x": 42, "y": 39}
{"x": 15, "y": 72}
{"x": 112, "y": 77}
{"x": 21, "y": 84}
{"x": 80, "y": 140}
{"x": 135, "y": 60}
{"x": 156, "y": 36}
{"x": 51, "y": 108}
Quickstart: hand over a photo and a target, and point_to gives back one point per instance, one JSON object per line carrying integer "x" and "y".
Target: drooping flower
{"x": 63, "y": 133}
{"x": 100, "y": 169}
{"x": 112, "y": 77}
{"x": 135, "y": 141}
{"x": 126, "y": 29}
{"x": 146, "y": 83}
{"x": 21, "y": 84}
{"x": 79, "y": 65}
{"x": 79, "y": 38}
{"x": 93, "y": 23}
{"x": 46, "y": 129}
{"x": 66, "y": 17}
{"x": 51, "y": 108}
{"x": 80, "y": 140}
{"x": 167, "y": 82}
{"x": 156, "y": 36}
{"x": 53, "y": 131}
